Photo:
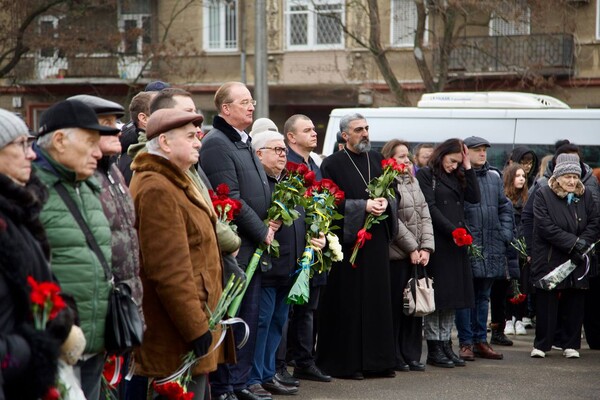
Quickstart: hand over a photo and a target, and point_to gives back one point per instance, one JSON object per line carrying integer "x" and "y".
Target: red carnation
{"x": 223, "y": 190}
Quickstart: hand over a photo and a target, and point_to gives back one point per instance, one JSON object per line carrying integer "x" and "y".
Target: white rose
{"x": 335, "y": 247}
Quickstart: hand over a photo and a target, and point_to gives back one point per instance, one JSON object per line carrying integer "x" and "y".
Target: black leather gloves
{"x": 201, "y": 344}
{"x": 578, "y": 249}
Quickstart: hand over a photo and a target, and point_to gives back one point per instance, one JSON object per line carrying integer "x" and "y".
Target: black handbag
{"x": 124, "y": 328}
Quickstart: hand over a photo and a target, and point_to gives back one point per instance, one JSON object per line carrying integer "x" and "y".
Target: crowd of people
{"x": 83, "y": 192}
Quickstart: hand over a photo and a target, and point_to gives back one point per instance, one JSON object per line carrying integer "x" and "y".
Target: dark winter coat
{"x": 118, "y": 208}
{"x": 556, "y": 227}
{"x": 28, "y": 356}
{"x": 491, "y": 224}
{"x": 449, "y": 265}
{"x": 225, "y": 158}
{"x": 591, "y": 184}
{"x": 291, "y": 245}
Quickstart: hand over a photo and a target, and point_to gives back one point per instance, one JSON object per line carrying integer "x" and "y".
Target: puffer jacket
{"x": 74, "y": 264}
{"x": 556, "y": 227}
{"x": 491, "y": 224}
{"x": 415, "y": 229}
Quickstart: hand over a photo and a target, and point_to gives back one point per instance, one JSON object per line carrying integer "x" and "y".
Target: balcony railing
{"x": 94, "y": 66}
{"x": 545, "y": 54}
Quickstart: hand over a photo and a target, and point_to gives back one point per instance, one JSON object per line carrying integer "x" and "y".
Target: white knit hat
{"x": 11, "y": 127}
{"x": 260, "y": 139}
{"x": 566, "y": 164}
{"x": 263, "y": 124}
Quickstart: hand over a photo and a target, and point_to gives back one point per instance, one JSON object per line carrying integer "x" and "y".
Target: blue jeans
{"x": 471, "y": 323}
{"x": 272, "y": 315}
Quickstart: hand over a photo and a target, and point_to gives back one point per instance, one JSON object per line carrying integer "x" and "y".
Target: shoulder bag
{"x": 418, "y": 295}
{"x": 124, "y": 328}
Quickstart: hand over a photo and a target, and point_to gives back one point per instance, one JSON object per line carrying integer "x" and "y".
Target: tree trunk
{"x": 381, "y": 58}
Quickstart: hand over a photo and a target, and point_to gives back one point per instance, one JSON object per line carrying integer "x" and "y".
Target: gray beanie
{"x": 566, "y": 164}
{"x": 11, "y": 127}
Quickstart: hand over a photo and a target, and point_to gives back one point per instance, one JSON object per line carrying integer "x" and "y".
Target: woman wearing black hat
{"x": 565, "y": 225}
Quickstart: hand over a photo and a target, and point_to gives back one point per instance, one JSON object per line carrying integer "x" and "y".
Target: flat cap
{"x": 165, "y": 119}
{"x": 72, "y": 114}
{"x": 476, "y": 141}
{"x": 99, "y": 105}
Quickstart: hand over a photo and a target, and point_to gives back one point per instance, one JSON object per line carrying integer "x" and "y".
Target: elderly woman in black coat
{"x": 447, "y": 182}
{"x": 566, "y": 223}
{"x": 29, "y": 357}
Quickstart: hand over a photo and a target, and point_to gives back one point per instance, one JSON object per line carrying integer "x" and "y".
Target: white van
{"x": 506, "y": 119}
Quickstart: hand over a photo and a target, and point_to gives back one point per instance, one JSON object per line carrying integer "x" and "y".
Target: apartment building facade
{"x": 318, "y": 55}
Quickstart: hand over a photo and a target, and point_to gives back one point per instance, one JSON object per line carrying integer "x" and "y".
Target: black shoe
{"x": 416, "y": 366}
{"x": 357, "y": 376}
{"x": 436, "y": 355}
{"x": 247, "y": 394}
{"x": 284, "y": 377}
{"x": 402, "y": 367}
{"x": 276, "y": 387}
{"x": 226, "y": 396}
{"x": 447, "y": 348}
{"x": 311, "y": 373}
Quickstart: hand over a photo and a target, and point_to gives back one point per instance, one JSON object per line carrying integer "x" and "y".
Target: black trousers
{"x": 302, "y": 331}
{"x": 408, "y": 331}
{"x": 498, "y": 300}
{"x": 554, "y": 305}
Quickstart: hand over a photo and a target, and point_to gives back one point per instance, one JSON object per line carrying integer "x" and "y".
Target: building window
{"x": 220, "y": 25}
{"x": 404, "y": 23}
{"x": 51, "y": 61}
{"x": 135, "y": 26}
{"x": 513, "y": 18}
{"x": 314, "y": 24}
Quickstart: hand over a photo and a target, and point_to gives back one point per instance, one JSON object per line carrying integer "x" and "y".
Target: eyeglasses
{"x": 278, "y": 150}
{"x": 244, "y": 103}
{"x": 26, "y": 144}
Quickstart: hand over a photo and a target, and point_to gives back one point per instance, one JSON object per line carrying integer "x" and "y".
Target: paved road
{"x": 518, "y": 376}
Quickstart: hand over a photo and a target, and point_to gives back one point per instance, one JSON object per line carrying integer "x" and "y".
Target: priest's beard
{"x": 363, "y": 146}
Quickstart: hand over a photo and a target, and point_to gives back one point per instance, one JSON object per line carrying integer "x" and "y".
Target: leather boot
{"x": 447, "y": 348}
{"x": 436, "y": 356}
{"x": 484, "y": 350}
{"x": 498, "y": 336}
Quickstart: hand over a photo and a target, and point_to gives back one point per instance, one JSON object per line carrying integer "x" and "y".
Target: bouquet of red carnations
{"x": 463, "y": 238}
{"x": 378, "y": 187}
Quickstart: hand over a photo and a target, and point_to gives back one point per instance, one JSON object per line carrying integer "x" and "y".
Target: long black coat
{"x": 556, "y": 227}
{"x": 449, "y": 265}
{"x": 28, "y": 356}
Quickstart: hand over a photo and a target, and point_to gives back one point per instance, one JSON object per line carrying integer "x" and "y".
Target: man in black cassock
{"x": 355, "y": 316}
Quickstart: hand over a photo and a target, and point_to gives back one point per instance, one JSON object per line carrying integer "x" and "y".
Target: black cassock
{"x": 355, "y": 314}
